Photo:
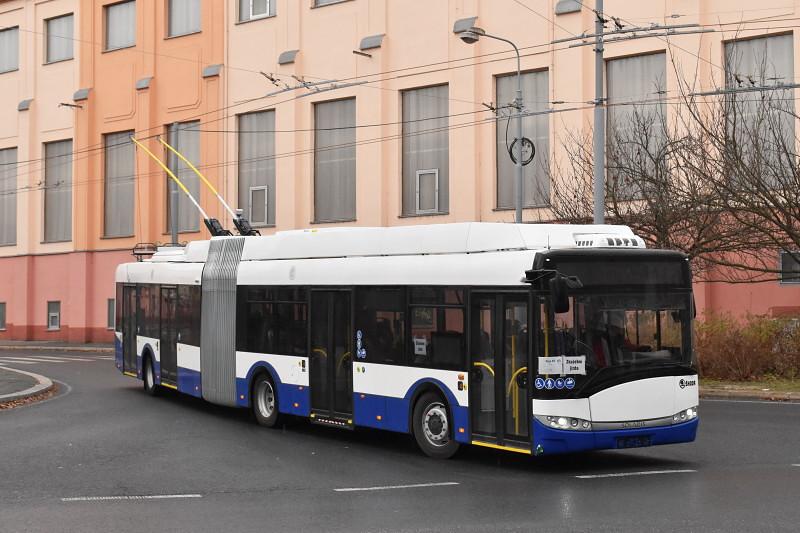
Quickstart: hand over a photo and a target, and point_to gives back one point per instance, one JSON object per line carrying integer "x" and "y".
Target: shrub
{"x": 752, "y": 348}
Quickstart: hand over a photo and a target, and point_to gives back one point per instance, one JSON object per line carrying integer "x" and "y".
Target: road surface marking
{"x": 44, "y": 359}
{"x": 643, "y": 473}
{"x": 391, "y": 487}
{"x": 145, "y": 497}
{"x": 798, "y": 464}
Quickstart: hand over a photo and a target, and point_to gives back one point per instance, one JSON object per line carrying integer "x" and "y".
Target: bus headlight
{"x": 565, "y": 422}
{"x": 685, "y": 415}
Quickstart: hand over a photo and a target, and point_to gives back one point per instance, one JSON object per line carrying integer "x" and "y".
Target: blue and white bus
{"x": 537, "y": 339}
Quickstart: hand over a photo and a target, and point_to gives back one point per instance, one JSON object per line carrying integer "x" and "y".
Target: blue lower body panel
{"x": 118, "y": 353}
{"x": 394, "y": 414}
{"x": 554, "y": 441}
{"x": 292, "y": 399}
{"x": 189, "y": 382}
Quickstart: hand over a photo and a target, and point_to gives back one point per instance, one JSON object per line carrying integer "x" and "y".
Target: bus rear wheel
{"x": 149, "y": 377}
{"x": 433, "y": 427}
{"x": 264, "y": 401}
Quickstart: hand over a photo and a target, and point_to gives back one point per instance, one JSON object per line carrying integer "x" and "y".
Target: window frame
{"x": 435, "y": 209}
{"x": 106, "y": 8}
{"x": 47, "y": 60}
{"x": 265, "y": 221}
{"x": 54, "y": 314}
{"x": 240, "y": 19}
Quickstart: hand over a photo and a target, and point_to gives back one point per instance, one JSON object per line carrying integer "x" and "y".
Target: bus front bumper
{"x": 550, "y": 441}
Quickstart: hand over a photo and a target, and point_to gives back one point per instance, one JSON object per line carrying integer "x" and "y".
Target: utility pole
{"x": 599, "y": 117}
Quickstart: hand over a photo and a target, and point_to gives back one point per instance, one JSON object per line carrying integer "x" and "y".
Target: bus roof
{"x": 456, "y": 238}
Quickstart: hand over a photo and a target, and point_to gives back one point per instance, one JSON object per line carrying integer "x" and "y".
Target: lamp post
{"x": 472, "y": 36}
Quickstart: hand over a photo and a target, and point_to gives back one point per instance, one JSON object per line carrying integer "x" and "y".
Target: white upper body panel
{"x": 472, "y": 253}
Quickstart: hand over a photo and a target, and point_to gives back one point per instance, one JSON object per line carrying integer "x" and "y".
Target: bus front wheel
{"x": 433, "y": 427}
{"x": 264, "y": 401}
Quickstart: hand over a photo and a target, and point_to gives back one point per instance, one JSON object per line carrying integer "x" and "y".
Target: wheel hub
{"x": 265, "y": 399}
{"x": 435, "y": 425}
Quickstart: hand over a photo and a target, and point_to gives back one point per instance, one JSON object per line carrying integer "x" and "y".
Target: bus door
{"x": 129, "y": 329}
{"x": 169, "y": 336}
{"x": 499, "y": 368}
{"x": 331, "y": 358}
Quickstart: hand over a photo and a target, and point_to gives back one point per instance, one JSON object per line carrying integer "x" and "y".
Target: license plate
{"x": 633, "y": 442}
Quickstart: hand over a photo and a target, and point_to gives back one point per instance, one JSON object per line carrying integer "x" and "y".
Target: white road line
{"x": 798, "y": 464}
{"x": 32, "y": 359}
{"x": 19, "y": 362}
{"x": 626, "y": 474}
{"x": 57, "y": 359}
{"x": 391, "y": 487}
{"x": 145, "y": 497}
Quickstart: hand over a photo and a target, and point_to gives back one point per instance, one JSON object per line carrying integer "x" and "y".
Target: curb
{"x": 59, "y": 348}
{"x": 767, "y": 396}
{"x": 43, "y": 384}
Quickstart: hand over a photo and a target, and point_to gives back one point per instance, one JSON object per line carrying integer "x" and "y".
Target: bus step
{"x": 326, "y": 420}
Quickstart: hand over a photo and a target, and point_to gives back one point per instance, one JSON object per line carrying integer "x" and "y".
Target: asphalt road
{"x": 62, "y": 461}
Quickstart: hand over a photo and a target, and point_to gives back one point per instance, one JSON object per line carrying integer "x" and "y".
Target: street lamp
{"x": 472, "y": 36}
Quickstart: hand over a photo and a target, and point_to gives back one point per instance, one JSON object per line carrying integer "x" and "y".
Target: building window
{"x": 59, "y": 32}
{"x": 320, "y": 3}
{"x": 2, "y": 316}
{"x": 790, "y": 267}
{"x": 185, "y": 138}
{"x": 120, "y": 165}
{"x": 535, "y": 181}
{"x": 58, "y": 191}
{"x": 257, "y": 167}
{"x": 9, "y": 49}
{"x": 53, "y": 315}
{"x": 425, "y": 148}
{"x": 111, "y": 313}
{"x": 184, "y": 17}
{"x": 335, "y": 161}
{"x": 256, "y": 9}
{"x": 635, "y": 132}
{"x": 8, "y": 197}
{"x": 762, "y": 124}
{"x": 120, "y": 25}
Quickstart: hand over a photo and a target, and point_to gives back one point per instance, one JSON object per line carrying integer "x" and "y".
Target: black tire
{"x": 149, "y": 377}
{"x": 264, "y": 401}
{"x": 433, "y": 427}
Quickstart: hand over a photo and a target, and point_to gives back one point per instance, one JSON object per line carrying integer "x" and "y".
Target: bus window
{"x": 380, "y": 316}
{"x": 437, "y": 337}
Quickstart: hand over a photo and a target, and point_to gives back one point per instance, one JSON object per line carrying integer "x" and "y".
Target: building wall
{"x": 418, "y": 49}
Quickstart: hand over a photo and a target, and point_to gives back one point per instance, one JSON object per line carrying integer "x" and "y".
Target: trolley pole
{"x": 599, "y": 119}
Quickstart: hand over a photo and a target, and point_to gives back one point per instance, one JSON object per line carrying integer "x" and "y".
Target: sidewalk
{"x": 16, "y": 385}
{"x": 55, "y": 345}
{"x": 744, "y": 393}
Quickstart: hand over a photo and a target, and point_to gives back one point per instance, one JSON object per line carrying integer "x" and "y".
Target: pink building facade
{"x": 312, "y": 113}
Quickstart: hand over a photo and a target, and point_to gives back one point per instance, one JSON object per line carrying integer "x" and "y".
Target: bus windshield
{"x": 630, "y": 329}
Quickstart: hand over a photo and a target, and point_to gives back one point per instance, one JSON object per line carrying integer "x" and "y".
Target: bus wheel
{"x": 265, "y": 401}
{"x": 149, "y": 380}
{"x": 433, "y": 428}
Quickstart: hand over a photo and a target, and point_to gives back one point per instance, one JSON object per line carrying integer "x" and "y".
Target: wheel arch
{"x": 420, "y": 388}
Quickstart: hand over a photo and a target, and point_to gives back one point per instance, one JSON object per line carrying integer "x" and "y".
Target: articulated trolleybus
{"x": 537, "y": 339}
